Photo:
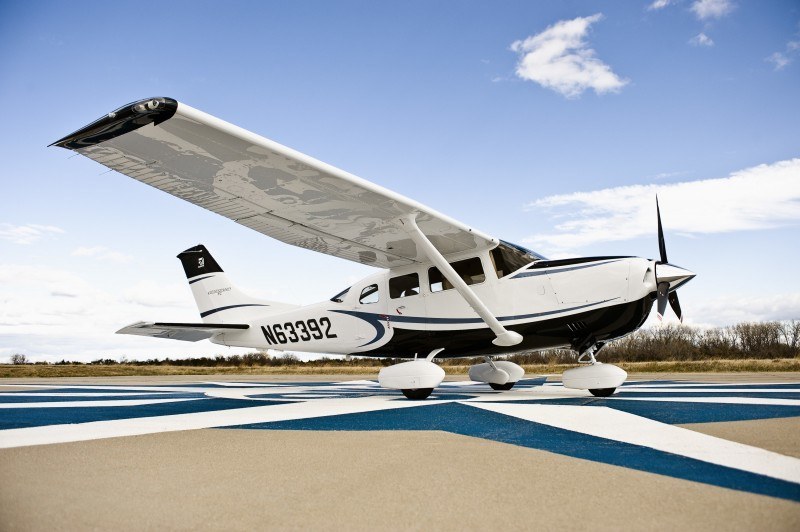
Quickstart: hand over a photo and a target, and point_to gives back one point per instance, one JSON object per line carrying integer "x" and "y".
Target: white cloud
{"x": 667, "y": 175}
{"x": 27, "y": 234}
{"x": 659, "y": 4}
{"x": 152, "y": 294}
{"x": 102, "y": 253}
{"x": 779, "y": 60}
{"x": 559, "y": 58}
{"x": 765, "y": 196}
{"x": 701, "y": 39}
{"x": 49, "y": 314}
{"x": 782, "y": 59}
{"x": 707, "y": 9}
{"x": 729, "y": 310}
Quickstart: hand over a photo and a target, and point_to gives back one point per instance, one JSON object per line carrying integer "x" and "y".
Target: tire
{"x": 417, "y": 394}
{"x": 506, "y": 386}
{"x": 602, "y": 392}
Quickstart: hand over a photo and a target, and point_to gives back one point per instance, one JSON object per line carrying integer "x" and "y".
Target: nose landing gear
{"x": 600, "y": 379}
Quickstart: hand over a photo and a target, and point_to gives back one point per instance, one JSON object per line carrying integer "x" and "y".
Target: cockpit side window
{"x": 369, "y": 295}
{"x": 508, "y": 258}
{"x": 404, "y": 286}
{"x": 470, "y": 270}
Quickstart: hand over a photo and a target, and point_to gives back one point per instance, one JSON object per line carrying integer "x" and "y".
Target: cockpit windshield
{"x": 508, "y": 258}
{"x": 521, "y": 249}
{"x": 338, "y": 298}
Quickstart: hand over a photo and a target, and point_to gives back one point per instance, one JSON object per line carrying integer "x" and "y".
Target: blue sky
{"x": 551, "y": 124}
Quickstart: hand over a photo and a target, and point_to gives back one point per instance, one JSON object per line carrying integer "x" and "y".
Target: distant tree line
{"x": 765, "y": 340}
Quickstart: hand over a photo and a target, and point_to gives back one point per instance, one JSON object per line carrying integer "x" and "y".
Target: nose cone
{"x": 674, "y": 275}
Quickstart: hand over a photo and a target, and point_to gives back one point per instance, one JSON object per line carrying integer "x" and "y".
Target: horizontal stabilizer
{"x": 187, "y": 332}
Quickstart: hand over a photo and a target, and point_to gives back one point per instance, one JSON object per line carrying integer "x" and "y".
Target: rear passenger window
{"x": 404, "y": 286}
{"x": 470, "y": 270}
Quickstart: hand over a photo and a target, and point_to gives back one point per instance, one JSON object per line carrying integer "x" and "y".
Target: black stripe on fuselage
{"x": 220, "y": 309}
{"x": 377, "y": 320}
{"x": 545, "y": 270}
{"x": 540, "y": 264}
{"x": 603, "y": 324}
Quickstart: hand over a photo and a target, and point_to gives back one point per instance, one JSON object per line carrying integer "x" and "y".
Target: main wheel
{"x": 602, "y": 392}
{"x": 506, "y": 386}
{"x": 416, "y": 394}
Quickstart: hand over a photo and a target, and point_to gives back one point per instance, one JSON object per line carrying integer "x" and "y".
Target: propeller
{"x": 668, "y": 276}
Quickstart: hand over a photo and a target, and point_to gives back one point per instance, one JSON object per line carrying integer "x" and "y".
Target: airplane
{"x": 444, "y": 288}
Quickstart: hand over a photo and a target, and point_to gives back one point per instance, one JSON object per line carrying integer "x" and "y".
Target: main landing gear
{"x": 600, "y": 379}
{"x": 499, "y": 374}
{"x": 416, "y": 379}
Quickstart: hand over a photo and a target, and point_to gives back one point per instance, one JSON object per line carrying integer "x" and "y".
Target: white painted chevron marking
{"x": 611, "y": 424}
{"x": 200, "y": 420}
{"x": 628, "y": 389}
{"x": 720, "y": 399}
{"x": 93, "y": 404}
{"x": 74, "y": 394}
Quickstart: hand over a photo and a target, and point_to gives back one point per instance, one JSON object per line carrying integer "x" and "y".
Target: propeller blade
{"x": 663, "y": 294}
{"x": 676, "y": 306}
{"x": 662, "y": 246}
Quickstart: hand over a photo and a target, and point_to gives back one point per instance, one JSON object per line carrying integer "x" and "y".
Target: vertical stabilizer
{"x": 217, "y": 299}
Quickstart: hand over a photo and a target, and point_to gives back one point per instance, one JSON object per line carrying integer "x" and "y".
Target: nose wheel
{"x": 602, "y": 392}
{"x": 502, "y": 387}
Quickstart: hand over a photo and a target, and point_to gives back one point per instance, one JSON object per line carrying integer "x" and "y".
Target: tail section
{"x": 217, "y": 299}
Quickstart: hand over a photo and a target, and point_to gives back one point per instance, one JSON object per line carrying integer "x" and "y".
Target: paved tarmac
{"x": 230, "y": 453}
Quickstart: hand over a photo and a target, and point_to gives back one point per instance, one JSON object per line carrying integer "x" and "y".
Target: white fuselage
{"x": 369, "y": 324}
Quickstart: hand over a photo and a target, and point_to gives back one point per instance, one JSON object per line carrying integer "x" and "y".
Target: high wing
{"x": 188, "y": 332}
{"x": 265, "y": 186}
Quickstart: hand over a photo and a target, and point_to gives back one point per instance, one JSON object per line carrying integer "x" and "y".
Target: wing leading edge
{"x": 263, "y": 185}
{"x": 188, "y": 332}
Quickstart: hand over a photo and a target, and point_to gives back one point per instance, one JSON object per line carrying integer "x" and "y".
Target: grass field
{"x": 127, "y": 370}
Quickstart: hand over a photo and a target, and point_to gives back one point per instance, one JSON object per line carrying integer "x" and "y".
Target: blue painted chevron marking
{"x": 465, "y": 420}
{"x": 536, "y": 414}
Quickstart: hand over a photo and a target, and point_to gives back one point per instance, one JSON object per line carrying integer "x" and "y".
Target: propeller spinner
{"x": 668, "y": 276}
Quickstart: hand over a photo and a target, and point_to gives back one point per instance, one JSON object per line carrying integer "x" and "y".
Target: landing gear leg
{"x": 587, "y": 357}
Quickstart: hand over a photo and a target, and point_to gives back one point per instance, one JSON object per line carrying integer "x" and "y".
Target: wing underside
{"x": 265, "y": 186}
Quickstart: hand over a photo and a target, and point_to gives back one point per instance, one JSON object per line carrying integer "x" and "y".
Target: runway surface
{"x": 741, "y": 440}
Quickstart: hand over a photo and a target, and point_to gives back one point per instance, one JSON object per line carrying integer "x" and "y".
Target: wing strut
{"x": 504, "y": 336}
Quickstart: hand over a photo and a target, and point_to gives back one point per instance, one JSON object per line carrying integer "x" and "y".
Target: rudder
{"x": 217, "y": 299}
